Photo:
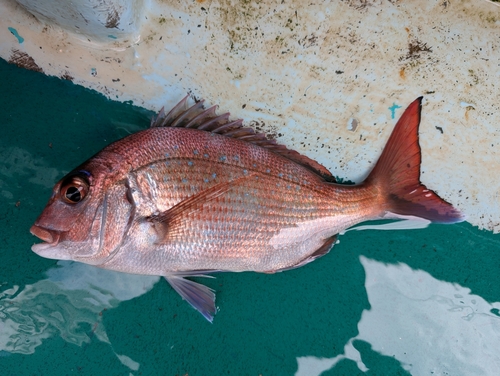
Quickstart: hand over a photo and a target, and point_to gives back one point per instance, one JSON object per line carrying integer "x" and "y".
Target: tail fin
{"x": 397, "y": 174}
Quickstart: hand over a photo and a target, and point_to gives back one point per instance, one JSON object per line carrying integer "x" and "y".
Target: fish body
{"x": 198, "y": 193}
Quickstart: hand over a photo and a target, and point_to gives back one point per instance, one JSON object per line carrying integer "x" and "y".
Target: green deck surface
{"x": 264, "y": 323}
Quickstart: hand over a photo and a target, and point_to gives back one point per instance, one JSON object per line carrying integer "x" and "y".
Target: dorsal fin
{"x": 197, "y": 117}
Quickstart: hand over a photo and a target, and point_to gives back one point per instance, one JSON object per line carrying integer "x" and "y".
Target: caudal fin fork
{"x": 397, "y": 174}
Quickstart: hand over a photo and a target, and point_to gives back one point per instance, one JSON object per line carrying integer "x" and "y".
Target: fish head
{"x": 86, "y": 217}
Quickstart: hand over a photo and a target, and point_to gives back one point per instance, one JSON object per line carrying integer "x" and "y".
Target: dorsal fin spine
{"x": 197, "y": 117}
{"x": 216, "y": 120}
{"x": 173, "y": 113}
{"x": 208, "y": 113}
{"x": 193, "y": 110}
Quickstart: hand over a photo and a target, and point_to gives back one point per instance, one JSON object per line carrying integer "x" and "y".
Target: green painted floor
{"x": 421, "y": 302}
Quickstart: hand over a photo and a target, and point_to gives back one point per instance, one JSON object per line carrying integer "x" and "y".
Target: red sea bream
{"x": 197, "y": 193}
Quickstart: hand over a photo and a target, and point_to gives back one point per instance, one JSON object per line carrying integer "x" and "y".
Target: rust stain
{"x": 402, "y": 73}
{"x": 23, "y": 60}
{"x": 466, "y": 115}
{"x": 467, "y": 110}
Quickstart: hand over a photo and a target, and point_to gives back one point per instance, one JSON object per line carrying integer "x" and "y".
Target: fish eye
{"x": 74, "y": 189}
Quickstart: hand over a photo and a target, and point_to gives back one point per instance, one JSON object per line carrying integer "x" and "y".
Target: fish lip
{"x": 52, "y": 248}
{"x": 50, "y": 237}
{"x": 50, "y": 251}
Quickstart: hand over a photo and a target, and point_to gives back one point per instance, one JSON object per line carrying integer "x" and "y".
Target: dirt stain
{"x": 113, "y": 19}
{"x": 416, "y": 49}
{"x": 23, "y": 60}
{"x": 68, "y": 77}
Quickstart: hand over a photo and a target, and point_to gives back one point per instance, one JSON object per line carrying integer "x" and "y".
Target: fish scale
{"x": 198, "y": 193}
{"x": 228, "y": 238}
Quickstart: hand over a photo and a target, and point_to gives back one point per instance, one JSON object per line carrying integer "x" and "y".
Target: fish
{"x": 198, "y": 193}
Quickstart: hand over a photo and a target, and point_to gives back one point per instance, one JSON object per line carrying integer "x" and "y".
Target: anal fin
{"x": 200, "y": 297}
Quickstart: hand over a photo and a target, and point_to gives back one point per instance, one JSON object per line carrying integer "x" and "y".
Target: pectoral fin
{"x": 172, "y": 222}
{"x": 201, "y": 297}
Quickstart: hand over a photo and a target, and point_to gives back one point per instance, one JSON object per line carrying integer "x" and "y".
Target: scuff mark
{"x": 113, "y": 19}
{"x": 352, "y": 124}
{"x": 309, "y": 41}
{"x": 23, "y": 60}
{"x": 467, "y": 105}
{"x": 415, "y": 49}
{"x": 67, "y": 76}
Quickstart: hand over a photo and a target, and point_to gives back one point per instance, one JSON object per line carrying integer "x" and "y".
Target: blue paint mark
{"x": 393, "y": 109}
{"x": 167, "y": 155}
{"x": 14, "y": 32}
{"x": 111, "y": 36}
{"x": 205, "y": 155}
{"x": 245, "y": 172}
{"x": 222, "y": 158}
{"x": 280, "y": 175}
{"x": 190, "y": 163}
{"x": 205, "y": 180}
{"x": 184, "y": 180}
{"x": 195, "y": 152}
{"x": 236, "y": 158}
{"x": 268, "y": 171}
{"x": 214, "y": 175}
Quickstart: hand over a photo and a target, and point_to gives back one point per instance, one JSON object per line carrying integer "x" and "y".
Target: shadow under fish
{"x": 198, "y": 193}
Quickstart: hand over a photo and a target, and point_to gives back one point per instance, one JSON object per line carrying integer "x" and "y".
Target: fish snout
{"x": 49, "y": 236}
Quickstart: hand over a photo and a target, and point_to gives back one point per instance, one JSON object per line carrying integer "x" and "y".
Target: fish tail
{"x": 397, "y": 175}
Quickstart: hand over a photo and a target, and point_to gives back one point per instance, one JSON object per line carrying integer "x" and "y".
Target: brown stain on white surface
{"x": 23, "y": 60}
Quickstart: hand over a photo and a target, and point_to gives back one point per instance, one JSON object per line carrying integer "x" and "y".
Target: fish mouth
{"x": 51, "y": 249}
{"x": 48, "y": 236}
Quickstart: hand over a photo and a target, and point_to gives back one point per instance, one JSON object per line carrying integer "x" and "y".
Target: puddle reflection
{"x": 69, "y": 303}
{"x": 429, "y": 326}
